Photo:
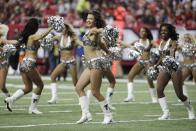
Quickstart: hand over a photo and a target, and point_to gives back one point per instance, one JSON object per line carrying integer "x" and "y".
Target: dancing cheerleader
{"x": 27, "y": 68}
{"x": 92, "y": 43}
{"x": 110, "y": 36}
{"x": 143, "y": 47}
{"x": 169, "y": 68}
{"x": 67, "y": 46}
{"x": 188, "y": 49}
{"x": 4, "y": 57}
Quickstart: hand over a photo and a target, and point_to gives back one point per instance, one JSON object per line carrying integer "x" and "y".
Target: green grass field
{"x": 140, "y": 115}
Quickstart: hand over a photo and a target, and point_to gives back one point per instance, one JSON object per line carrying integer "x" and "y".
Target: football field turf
{"x": 140, "y": 115}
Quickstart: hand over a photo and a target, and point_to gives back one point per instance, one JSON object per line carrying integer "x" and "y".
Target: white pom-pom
{"x": 56, "y": 22}
{"x": 134, "y": 54}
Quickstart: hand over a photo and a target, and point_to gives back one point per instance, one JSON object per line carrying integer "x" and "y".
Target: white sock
{"x": 185, "y": 92}
{"x": 187, "y": 104}
{"x": 18, "y": 94}
{"x": 34, "y": 100}
{"x": 84, "y": 104}
{"x": 130, "y": 89}
{"x": 109, "y": 94}
{"x": 88, "y": 94}
{"x": 53, "y": 87}
{"x": 105, "y": 108}
{"x": 163, "y": 104}
{"x": 5, "y": 95}
{"x": 153, "y": 93}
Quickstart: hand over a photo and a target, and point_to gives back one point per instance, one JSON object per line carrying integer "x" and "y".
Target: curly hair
{"x": 149, "y": 34}
{"x": 30, "y": 28}
{"x": 172, "y": 31}
{"x": 99, "y": 21}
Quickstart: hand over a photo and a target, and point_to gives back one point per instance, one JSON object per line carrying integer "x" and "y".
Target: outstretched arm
{"x": 41, "y": 36}
{"x": 4, "y": 41}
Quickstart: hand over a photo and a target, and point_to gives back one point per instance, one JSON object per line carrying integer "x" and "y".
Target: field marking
{"x": 94, "y": 103}
{"x": 152, "y": 115}
{"x": 73, "y": 123}
{"x": 65, "y": 111}
{"x": 104, "y": 80}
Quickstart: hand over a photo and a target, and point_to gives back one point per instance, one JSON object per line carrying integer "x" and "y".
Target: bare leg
{"x": 162, "y": 82}
{"x": 135, "y": 70}
{"x": 56, "y": 72}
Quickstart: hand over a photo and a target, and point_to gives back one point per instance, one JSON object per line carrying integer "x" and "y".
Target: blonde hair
{"x": 3, "y": 30}
{"x": 191, "y": 37}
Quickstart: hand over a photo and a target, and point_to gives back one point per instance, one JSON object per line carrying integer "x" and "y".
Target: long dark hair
{"x": 30, "y": 28}
{"x": 99, "y": 21}
{"x": 172, "y": 31}
{"x": 149, "y": 34}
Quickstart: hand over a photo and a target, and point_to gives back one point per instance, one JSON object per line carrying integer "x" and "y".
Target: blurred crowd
{"x": 122, "y": 13}
{"x": 125, "y": 13}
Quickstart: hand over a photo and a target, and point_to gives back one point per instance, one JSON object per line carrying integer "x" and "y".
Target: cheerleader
{"x": 27, "y": 67}
{"x": 188, "y": 49}
{"x": 92, "y": 43}
{"x": 143, "y": 47}
{"x": 169, "y": 69}
{"x": 4, "y": 58}
{"x": 67, "y": 46}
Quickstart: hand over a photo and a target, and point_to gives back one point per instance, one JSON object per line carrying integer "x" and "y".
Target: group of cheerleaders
{"x": 100, "y": 49}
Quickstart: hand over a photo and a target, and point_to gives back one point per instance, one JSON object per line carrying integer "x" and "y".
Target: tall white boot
{"x": 5, "y": 95}
{"x": 130, "y": 96}
{"x": 190, "y": 109}
{"x": 53, "y": 99}
{"x": 165, "y": 109}
{"x": 89, "y": 94}
{"x": 153, "y": 94}
{"x": 106, "y": 111}
{"x": 109, "y": 95}
{"x": 10, "y": 100}
{"x": 86, "y": 115}
{"x": 185, "y": 91}
{"x": 33, "y": 107}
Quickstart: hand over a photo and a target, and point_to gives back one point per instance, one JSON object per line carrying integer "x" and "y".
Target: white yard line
{"x": 73, "y": 123}
{"x": 94, "y": 103}
{"x": 66, "y": 111}
{"x": 104, "y": 80}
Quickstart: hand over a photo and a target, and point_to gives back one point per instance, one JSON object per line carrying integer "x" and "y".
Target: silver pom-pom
{"x": 56, "y": 22}
{"x": 110, "y": 35}
{"x": 154, "y": 55}
{"x": 2, "y": 55}
{"x": 9, "y": 49}
{"x": 188, "y": 49}
{"x": 139, "y": 47}
{"x": 170, "y": 63}
{"x": 47, "y": 42}
{"x": 152, "y": 73}
{"x": 116, "y": 53}
{"x": 134, "y": 54}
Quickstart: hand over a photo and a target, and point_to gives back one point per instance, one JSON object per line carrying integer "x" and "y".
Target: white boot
{"x": 86, "y": 115}
{"x": 185, "y": 92}
{"x": 10, "y": 100}
{"x": 190, "y": 109}
{"x": 106, "y": 111}
{"x": 153, "y": 95}
{"x": 164, "y": 107}
{"x": 5, "y": 95}
{"x": 109, "y": 95}
{"x": 130, "y": 96}
{"x": 88, "y": 94}
{"x": 33, "y": 107}
{"x": 53, "y": 87}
